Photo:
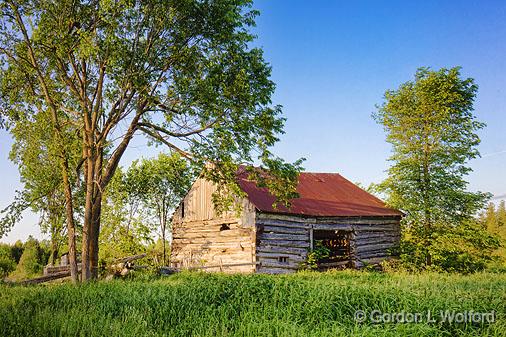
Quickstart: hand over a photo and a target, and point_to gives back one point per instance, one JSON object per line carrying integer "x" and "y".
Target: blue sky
{"x": 333, "y": 60}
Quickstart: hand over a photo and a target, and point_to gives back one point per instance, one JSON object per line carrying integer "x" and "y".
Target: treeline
{"x": 493, "y": 219}
{"x": 23, "y": 260}
{"x": 136, "y": 212}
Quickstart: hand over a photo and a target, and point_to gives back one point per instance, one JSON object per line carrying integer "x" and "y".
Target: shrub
{"x": 465, "y": 248}
{"x": 7, "y": 261}
{"x": 318, "y": 253}
{"x": 32, "y": 260}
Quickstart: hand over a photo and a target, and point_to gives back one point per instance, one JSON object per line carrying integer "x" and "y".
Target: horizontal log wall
{"x": 203, "y": 238}
{"x": 288, "y": 236}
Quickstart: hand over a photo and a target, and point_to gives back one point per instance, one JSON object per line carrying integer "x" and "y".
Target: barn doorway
{"x": 332, "y": 247}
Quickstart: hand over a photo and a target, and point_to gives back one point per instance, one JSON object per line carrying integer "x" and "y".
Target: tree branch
{"x": 177, "y": 134}
{"x": 160, "y": 138}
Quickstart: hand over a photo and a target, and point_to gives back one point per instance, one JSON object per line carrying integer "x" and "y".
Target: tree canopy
{"x": 430, "y": 123}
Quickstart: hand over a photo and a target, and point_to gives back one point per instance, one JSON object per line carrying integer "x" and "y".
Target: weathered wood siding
{"x": 199, "y": 238}
{"x": 290, "y": 236}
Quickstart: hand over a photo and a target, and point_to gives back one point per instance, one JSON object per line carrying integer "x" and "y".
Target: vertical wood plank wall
{"x": 204, "y": 238}
{"x": 290, "y": 236}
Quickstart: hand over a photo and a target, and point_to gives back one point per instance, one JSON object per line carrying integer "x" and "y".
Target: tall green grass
{"x": 304, "y": 304}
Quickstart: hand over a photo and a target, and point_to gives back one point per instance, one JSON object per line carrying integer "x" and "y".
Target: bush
{"x": 32, "y": 261}
{"x": 466, "y": 248}
{"x": 7, "y": 261}
{"x": 318, "y": 253}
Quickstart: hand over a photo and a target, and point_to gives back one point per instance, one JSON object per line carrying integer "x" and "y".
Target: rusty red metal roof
{"x": 320, "y": 194}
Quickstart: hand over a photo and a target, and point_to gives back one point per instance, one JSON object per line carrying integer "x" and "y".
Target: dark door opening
{"x": 333, "y": 247}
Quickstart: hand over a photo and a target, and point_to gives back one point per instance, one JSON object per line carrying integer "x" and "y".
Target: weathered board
{"x": 202, "y": 237}
{"x": 283, "y": 241}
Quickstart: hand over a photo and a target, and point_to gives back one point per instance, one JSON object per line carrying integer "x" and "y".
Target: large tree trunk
{"x": 54, "y": 243}
{"x": 426, "y": 201}
{"x": 97, "y": 179}
{"x": 163, "y": 228}
{"x": 71, "y": 229}
{"x": 89, "y": 168}
{"x": 96, "y": 213}
{"x": 94, "y": 235}
{"x": 163, "y": 243}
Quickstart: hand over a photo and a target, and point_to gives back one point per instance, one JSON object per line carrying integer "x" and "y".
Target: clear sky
{"x": 332, "y": 62}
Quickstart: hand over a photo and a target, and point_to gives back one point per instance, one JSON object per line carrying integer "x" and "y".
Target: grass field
{"x": 305, "y": 304}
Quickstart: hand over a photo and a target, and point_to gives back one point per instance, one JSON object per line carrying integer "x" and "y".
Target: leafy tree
{"x": 489, "y": 217}
{"x": 35, "y": 152}
{"x": 141, "y": 200}
{"x": 430, "y": 123}
{"x": 160, "y": 183}
{"x": 501, "y": 221}
{"x": 7, "y": 260}
{"x": 124, "y": 229}
{"x": 32, "y": 260}
{"x": 494, "y": 220}
{"x": 181, "y": 72}
{"x": 466, "y": 248}
{"x": 17, "y": 250}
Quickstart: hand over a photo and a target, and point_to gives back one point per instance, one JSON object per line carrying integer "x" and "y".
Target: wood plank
{"x": 332, "y": 226}
{"x": 294, "y": 257}
{"x": 278, "y": 249}
{"x": 358, "y": 220}
{"x": 208, "y": 222}
{"x": 198, "y": 204}
{"x": 284, "y": 218}
{"x": 289, "y": 237}
{"x": 284, "y": 229}
{"x": 286, "y": 243}
{"x": 208, "y": 228}
{"x": 289, "y": 224}
{"x": 374, "y": 260}
{"x": 198, "y": 261}
{"x": 225, "y": 265}
{"x": 210, "y": 257}
{"x": 47, "y": 278}
{"x": 215, "y": 235}
{"x": 374, "y": 247}
{"x": 213, "y": 249}
{"x": 376, "y": 234}
{"x": 212, "y": 241}
{"x": 264, "y": 270}
{"x": 334, "y": 264}
{"x": 311, "y": 239}
{"x": 364, "y": 229}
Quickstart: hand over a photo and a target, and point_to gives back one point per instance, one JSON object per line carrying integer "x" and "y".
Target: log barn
{"x": 331, "y": 215}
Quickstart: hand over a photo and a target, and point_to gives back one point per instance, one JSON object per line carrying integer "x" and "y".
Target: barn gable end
{"x": 202, "y": 238}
